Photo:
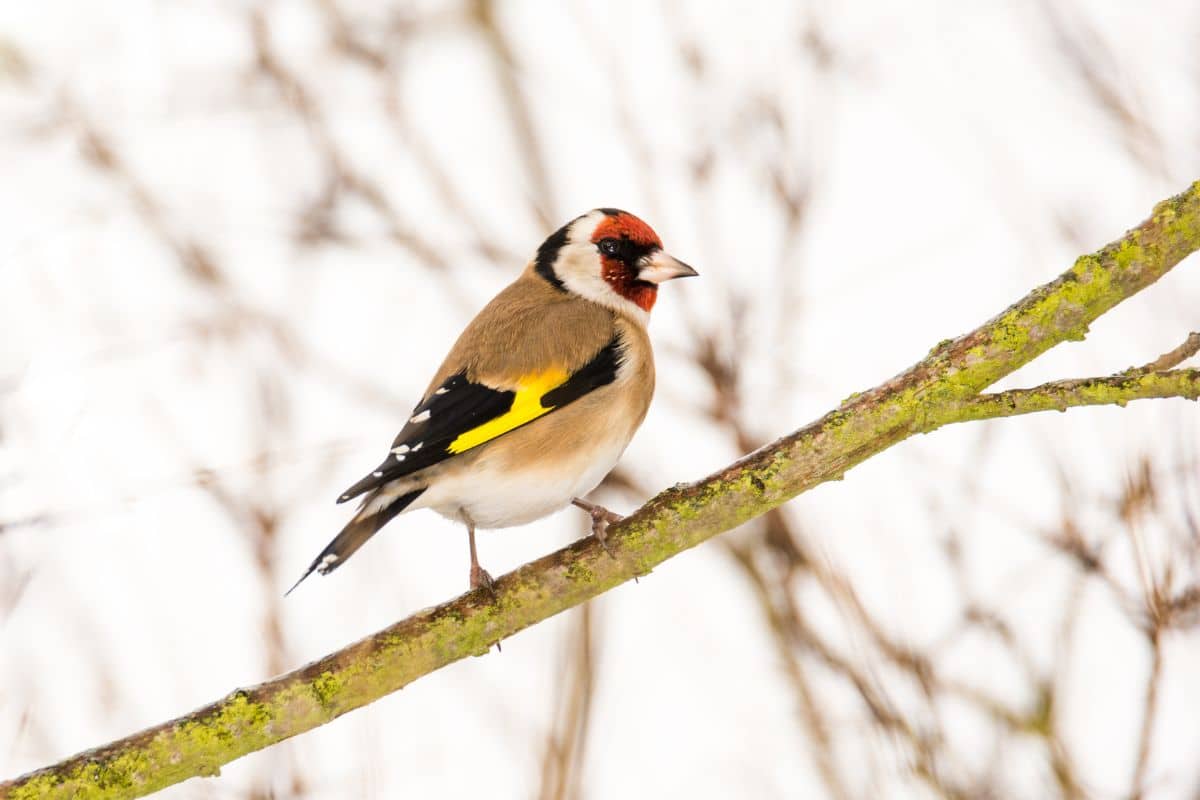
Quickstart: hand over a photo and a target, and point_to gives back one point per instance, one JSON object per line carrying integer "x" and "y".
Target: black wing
{"x": 459, "y": 406}
{"x": 454, "y": 407}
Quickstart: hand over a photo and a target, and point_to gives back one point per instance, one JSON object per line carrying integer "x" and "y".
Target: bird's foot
{"x": 482, "y": 579}
{"x": 601, "y": 519}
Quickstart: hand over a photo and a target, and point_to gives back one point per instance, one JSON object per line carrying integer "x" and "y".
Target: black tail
{"x": 363, "y": 526}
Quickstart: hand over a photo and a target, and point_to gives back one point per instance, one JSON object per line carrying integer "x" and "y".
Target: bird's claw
{"x": 482, "y": 579}
{"x": 600, "y": 531}
{"x": 601, "y": 519}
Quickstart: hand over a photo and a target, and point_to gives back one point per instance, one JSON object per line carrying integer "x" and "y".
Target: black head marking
{"x": 625, "y": 250}
{"x": 548, "y": 252}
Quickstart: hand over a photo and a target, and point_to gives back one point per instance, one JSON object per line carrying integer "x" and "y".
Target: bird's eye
{"x": 610, "y": 247}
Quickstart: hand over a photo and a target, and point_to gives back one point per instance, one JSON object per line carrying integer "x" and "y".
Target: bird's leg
{"x": 601, "y": 519}
{"x": 480, "y": 579}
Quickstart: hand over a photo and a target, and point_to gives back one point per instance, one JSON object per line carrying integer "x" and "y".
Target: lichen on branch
{"x": 1115, "y": 390}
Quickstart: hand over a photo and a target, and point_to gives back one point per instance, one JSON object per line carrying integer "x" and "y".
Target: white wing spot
{"x": 401, "y": 450}
{"x": 442, "y": 390}
{"x": 377, "y": 473}
{"x": 423, "y": 416}
{"x": 399, "y": 456}
{"x": 418, "y": 446}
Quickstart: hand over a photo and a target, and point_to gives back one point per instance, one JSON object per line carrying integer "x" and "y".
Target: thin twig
{"x": 1173, "y": 358}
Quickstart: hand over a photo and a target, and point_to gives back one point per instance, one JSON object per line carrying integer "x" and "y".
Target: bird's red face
{"x": 611, "y": 257}
{"x": 623, "y": 241}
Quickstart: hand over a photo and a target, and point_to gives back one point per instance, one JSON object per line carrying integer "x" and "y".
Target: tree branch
{"x": 1061, "y": 395}
{"x": 941, "y": 389}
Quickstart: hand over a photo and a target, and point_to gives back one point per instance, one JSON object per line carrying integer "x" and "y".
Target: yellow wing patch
{"x": 526, "y": 407}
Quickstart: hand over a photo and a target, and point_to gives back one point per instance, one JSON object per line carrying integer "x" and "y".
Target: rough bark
{"x": 941, "y": 389}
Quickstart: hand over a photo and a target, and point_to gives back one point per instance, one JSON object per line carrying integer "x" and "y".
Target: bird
{"x": 536, "y": 400}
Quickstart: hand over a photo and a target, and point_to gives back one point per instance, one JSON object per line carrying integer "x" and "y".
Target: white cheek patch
{"x": 580, "y": 273}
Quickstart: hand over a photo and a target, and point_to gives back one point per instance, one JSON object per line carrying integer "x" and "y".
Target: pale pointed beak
{"x": 659, "y": 267}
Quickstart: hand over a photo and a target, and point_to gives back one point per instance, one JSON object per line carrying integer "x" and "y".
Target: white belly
{"x": 494, "y": 496}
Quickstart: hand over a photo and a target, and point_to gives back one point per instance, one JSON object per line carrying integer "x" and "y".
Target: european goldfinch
{"x": 537, "y": 399}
